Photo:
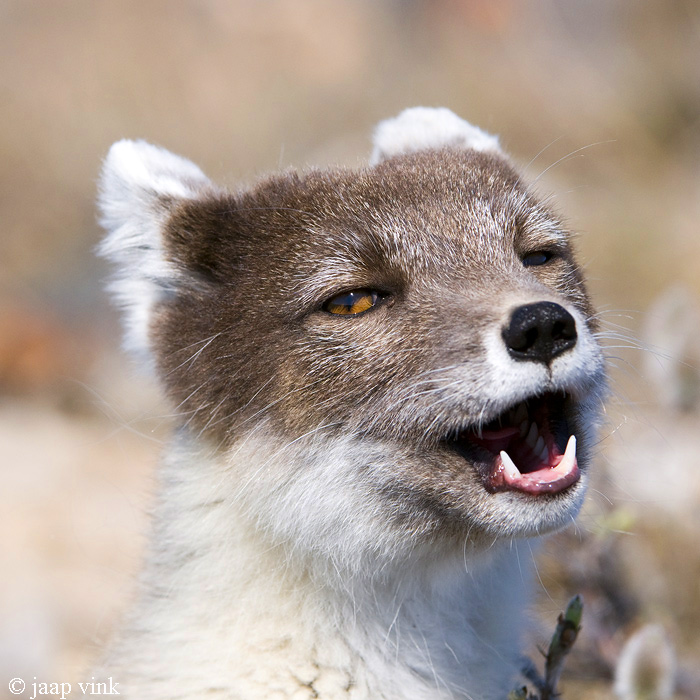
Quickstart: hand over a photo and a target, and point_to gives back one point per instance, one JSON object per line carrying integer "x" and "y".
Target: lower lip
{"x": 549, "y": 480}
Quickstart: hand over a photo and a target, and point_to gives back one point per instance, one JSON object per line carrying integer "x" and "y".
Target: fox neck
{"x": 255, "y": 616}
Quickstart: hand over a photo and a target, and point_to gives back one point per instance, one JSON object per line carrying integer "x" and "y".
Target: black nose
{"x": 539, "y": 332}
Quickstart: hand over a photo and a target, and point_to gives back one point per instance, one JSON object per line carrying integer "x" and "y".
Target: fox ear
{"x": 423, "y": 128}
{"x": 140, "y": 186}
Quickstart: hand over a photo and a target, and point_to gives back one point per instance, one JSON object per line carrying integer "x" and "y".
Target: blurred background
{"x": 599, "y": 101}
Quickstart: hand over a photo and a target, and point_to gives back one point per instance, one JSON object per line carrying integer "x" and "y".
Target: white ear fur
{"x": 423, "y": 128}
{"x": 139, "y": 185}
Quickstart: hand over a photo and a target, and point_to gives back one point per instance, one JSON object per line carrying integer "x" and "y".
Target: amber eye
{"x": 539, "y": 257}
{"x": 352, "y": 303}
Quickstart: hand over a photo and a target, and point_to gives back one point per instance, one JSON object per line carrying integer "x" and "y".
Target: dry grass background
{"x": 601, "y": 99}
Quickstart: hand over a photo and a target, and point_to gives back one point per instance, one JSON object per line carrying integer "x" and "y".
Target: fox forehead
{"x": 324, "y": 230}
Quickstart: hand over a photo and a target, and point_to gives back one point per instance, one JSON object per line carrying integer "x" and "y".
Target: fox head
{"x": 382, "y": 358}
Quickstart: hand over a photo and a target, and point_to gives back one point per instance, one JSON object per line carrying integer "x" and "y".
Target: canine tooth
{"x": 544, "y": 455}
{"x": 509, "y": 465}
{"x": 538, "y": 445}
{"x": 520, "y": 413}
{"x": 567, "y": 461}
{"x": 523, "y": 428}
{"x": 532, "y": 436}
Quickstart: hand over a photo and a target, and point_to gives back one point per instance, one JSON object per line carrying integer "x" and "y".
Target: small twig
{"x": 565, "y": 634}
{"x": 568, "y": 627}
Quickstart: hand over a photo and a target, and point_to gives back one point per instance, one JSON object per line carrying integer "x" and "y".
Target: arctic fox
{"x": 387, "y": 380}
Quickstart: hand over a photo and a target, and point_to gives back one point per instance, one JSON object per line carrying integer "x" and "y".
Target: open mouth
{"x": 529, "y": 448}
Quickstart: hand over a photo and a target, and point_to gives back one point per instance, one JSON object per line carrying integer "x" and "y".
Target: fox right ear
{"x": 423, "y": 128}
{"x": 140, "y": 186}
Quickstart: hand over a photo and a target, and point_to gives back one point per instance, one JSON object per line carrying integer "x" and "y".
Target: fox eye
{"x": 539, "y": 257}
{"x": 352, "y": 303}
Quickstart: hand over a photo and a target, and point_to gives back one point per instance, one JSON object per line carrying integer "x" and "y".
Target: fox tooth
{"x": 520, "y": 413}
{"x": 567, "y": 461}
{"x": 532, "y": 436}
{"x": 523, "y": 428}
{"x": 544, "y": 455}
{"x": 509, "y": 465}
{"x": 538, "y": 445}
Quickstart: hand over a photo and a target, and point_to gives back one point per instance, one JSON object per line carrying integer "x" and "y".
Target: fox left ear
{"x": 424, "y": 128}
{"x": 140, "y": 187}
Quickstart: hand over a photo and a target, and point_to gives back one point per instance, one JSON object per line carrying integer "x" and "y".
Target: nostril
{"x": 565, "y": 329}
{"x": 539, "y": 332}
{"x": 522, "y": 339}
